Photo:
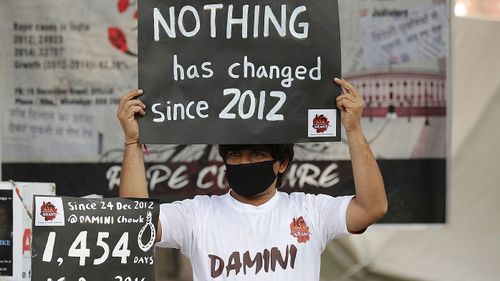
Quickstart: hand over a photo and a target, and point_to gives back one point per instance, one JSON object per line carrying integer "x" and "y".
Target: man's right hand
{"x": 128, "y": 109}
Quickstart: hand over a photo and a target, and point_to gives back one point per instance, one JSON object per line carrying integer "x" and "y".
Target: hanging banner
{"x": 93, "y": 239}
{"x": 239, "y": 71}
{"x": 58, "y": 108}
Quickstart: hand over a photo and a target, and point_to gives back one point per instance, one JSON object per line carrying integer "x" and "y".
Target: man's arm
{"x": 370, "y": 203}
{"x": 133, "y": 175}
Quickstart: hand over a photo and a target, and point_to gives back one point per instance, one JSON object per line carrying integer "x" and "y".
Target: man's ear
{"x": 283, "y": 166}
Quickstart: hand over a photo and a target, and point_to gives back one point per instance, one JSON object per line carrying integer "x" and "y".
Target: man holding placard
{"x": 255, "y": 232}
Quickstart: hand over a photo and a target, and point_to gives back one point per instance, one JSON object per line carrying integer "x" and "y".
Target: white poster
{"x": 64, "y": 66}
{"x": 402, "y": 36}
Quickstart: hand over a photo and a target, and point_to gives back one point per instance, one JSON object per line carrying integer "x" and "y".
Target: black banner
{"x": 6, "y": 221}
{"x": 93, "y": 239}
{"x": 416, "y": 189}
{"x": 239, "y": 71}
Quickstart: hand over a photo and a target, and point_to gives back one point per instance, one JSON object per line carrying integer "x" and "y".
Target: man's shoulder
{"x": 199, "y": 205}
{"x": 299, "y": 196}
{"x": 205, "y": 199}
{"x": 309, "y": 199}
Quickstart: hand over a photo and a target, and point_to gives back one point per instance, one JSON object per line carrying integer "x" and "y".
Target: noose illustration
{"x": 149, "y": 224}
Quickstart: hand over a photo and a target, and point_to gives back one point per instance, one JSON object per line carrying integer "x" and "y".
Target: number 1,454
{"x": 78, "y": 248}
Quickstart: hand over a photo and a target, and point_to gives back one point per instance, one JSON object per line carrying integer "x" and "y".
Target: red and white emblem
{"x": 48, "y": 211}
{"x": 320, "y": 123}
{"x": 299, "y": 229}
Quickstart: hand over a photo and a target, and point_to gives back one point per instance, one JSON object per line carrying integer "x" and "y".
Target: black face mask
{"x": 250, "y": 179}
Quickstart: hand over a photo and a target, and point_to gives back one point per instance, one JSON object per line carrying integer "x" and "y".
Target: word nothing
{"x": 282, "y": 21}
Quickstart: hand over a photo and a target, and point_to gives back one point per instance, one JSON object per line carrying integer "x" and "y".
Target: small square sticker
{"x": 49, "y": 211}
{"x": 321, "y": 123}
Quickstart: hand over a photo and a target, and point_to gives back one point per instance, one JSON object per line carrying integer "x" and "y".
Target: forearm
{"x": 133, "y": 182}
{"x": 133, "y": 176}
{"x": 370, "y": 198}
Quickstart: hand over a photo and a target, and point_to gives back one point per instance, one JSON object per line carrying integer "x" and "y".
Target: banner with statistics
{"x": 64, "y": 66}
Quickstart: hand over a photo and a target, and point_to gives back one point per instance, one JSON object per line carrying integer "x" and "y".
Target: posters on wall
{"x": 63, "y": 74}
{"x": 21, "y": 194}
{"x": 93, "y": 238}
{"x": 6, "y": 233}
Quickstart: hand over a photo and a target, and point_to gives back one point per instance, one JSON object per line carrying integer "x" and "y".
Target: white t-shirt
{"x": 281, "y": 239}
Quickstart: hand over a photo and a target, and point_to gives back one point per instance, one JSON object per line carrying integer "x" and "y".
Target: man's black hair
{"x": 279, "y": 152}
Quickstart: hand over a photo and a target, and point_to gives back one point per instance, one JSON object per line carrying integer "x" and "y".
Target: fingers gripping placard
{"x": 238, "y": 71}
{"x": 93, "y": 239}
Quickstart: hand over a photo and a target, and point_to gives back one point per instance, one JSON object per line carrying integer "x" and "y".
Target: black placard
{"x": 206, "y": 81}
{"x": 93, "y": 239}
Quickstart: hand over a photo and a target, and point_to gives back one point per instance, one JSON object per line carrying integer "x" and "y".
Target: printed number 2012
{"x": 240, "y": 100}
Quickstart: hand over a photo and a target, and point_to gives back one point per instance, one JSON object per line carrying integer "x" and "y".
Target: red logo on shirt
{"x": 299, "y": 229}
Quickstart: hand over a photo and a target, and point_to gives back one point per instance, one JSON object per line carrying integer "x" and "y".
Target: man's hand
{"x": 351, "y": 106}
{"x": 128, "y": 109}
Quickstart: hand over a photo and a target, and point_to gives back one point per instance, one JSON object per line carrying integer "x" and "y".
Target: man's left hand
{"x": 351, "y": 106}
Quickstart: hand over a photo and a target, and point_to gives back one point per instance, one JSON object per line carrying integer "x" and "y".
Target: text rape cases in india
{"x": 269, "y": 17}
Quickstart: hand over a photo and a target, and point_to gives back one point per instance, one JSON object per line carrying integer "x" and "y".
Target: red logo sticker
{"x": 299, "y": 229}
{"x": 320, "y": 123}
{"x": 48, "y": 211}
